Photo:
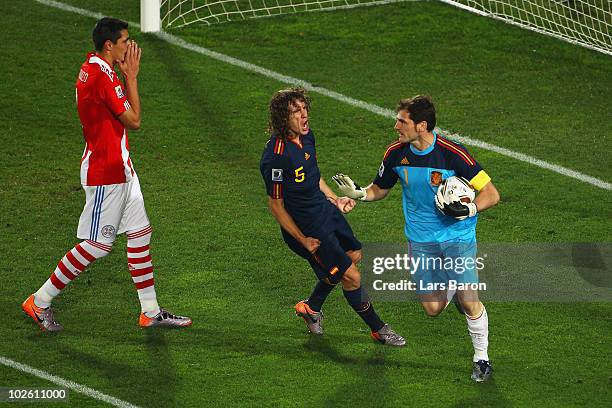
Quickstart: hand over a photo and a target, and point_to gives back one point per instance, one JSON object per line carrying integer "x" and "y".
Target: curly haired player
{"x": 310, "y": 215}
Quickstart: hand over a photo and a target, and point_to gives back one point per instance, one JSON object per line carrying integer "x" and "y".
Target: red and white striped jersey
{"x": 100, "y": 100}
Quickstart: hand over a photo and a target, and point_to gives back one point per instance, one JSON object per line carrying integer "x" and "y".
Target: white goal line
{"x": 172, "y": 39}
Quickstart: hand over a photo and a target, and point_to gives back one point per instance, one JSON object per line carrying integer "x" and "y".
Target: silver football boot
{"x": 42, "y": 317}
{"x": 313, "y": 320}
{"x": 164, "y": 318}
{"x": 386, "y": 335}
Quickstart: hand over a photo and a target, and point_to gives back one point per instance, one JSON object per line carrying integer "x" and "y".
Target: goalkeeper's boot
{"x": 42, "y": 316}
{"x": 164, "y": 318}
{"x": 314, "y": 320}
{"x": 482, "y": 371}
{"x": 386, "y": 335}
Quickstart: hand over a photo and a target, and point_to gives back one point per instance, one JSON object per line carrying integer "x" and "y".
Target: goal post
{"x": 150, "y": 20}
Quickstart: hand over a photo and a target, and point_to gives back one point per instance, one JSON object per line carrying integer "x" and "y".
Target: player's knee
{"x": 355, "y": 256}
{"x": 141, "y": 236}
{"x": 352, "y": 278}
{"x": 96, "y": 249}
{"x": 472, "y": 308}
{"x": 468, "y": 299}
{"x": 432, "y": 309}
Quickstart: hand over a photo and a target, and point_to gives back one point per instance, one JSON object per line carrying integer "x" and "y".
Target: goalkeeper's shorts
{"x": 439, "y": 265}
{"x": 330, "y": 261}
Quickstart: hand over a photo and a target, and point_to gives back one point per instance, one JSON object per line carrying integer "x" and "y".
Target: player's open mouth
{"x": 305, "y": 126}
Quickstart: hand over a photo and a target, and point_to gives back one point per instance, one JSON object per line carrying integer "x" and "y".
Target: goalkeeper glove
{"x": 349, "y": 188}
{"x": 456, "y": 208}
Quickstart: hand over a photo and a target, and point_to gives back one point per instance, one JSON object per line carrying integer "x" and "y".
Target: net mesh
{"x": 178, "y": 13}
{"x": 584, "y": 22}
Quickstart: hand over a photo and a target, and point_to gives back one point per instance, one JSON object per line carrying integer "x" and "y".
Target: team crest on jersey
{"x": 108, "y": 231}
{"x": 83, "y": 76}
{"x": 306, "y": 156}
{"x": 277, "y": 174}
{"x": 119, "y": 92}
{"x": 435, "y": 178}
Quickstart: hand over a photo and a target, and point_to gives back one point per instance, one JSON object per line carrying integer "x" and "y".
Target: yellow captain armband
{"x": 480, "y": 180}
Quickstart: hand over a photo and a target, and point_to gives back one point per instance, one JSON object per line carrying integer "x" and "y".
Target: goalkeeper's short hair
{"x": 279, "y": 109}
{"x": 420, "y": 108}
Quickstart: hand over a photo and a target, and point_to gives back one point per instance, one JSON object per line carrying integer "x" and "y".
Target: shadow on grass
{"x": 488, "y": 395}
{"x": 214, "y": 121}
{"x": 151, "y": 379}
{"x": 160, "y": 367}
{"x": 366, "y": 386}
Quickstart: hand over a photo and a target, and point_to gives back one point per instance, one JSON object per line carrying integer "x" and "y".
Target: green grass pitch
{"x": 217, "y": 251}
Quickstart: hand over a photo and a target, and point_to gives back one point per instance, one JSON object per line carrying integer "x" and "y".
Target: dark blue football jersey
{"x": 290, "y": 172}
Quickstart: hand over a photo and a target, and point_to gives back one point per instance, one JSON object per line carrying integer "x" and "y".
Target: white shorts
{"x": 110, "y": 210}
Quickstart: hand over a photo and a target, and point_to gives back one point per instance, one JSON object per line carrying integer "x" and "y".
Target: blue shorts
{"x": 436, "y": 264}
{"x": 330, "y": 261}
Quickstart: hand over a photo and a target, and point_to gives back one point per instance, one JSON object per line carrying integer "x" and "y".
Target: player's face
{"x": 405, "y": 127}
{"x": 298, "y": 118}
{"x": 119, "y": 49}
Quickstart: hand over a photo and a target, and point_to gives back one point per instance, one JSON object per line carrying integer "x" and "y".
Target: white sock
{"x": 141, "y": 269}
{"x": 478, "y": 327}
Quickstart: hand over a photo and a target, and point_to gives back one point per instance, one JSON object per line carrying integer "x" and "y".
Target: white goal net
{"x": 178, "y": 13}
{"x": 584, "y": 22}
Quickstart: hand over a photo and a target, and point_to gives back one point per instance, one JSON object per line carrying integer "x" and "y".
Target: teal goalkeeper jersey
{"x": 420, "y": 173}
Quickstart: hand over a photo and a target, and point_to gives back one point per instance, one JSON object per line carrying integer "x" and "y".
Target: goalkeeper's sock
{"x": 141, "y": 269}
{"x": 69, "y": 267}
{"x": 360, "y": 302}
{"x": 478, "y": 327}
{"x": 319, "y": 294}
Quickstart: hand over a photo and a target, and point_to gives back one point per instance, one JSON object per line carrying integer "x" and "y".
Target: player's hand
{"x": 349, "y": 188}
{"x": 311, "y": 244}
{"x": 130, "y": 66}
{"x": 345, "y": 204}
{"x": 456, "y": 208}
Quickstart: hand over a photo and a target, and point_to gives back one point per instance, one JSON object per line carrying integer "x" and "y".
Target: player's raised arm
{"x": 351, "y": 189}
{"x": 130, "y": 68}
{"x": 375, "y": 193}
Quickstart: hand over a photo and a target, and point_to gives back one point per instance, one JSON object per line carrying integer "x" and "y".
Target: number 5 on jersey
{"x": 299, "y": 174}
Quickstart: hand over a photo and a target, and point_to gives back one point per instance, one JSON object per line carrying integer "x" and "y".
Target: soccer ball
{"x": 455, "y": 189}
